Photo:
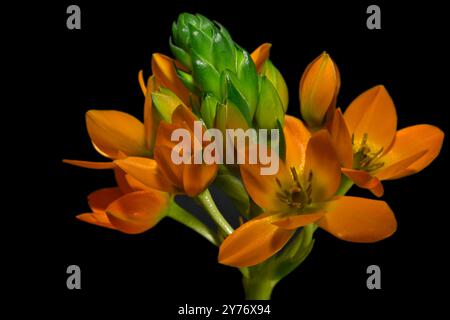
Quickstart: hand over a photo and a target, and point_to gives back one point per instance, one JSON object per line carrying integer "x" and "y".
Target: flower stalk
{"x": 209, "y": 205}
{"x": 345, "y": 186}
{"x": 260, "y": 280}
{"x": 182, "y": 216}
{"x": 258, "y": 288}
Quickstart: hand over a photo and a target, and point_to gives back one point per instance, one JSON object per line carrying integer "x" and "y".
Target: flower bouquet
{"x": 216, "y": 115}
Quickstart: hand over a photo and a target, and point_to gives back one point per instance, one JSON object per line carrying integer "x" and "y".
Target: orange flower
{"x": 162, "y": 173}
{"x": 302, "y": 192}
{"x": 131, "y": 207}
{"x": 133, "y": 212}
{"x": 319, "y": 87}
{"x": 370, "y": 147}
{"x": 115, "y": 134}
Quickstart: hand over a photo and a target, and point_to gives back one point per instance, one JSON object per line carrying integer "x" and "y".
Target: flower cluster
{"x": 213, "y": 80}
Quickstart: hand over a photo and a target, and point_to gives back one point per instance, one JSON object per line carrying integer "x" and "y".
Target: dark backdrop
{"x": 97, "y": 66}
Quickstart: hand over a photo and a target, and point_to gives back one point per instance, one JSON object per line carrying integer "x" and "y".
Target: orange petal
{"x": 372, "y": 113}
{"x": 318, "y": 89}
{"x": 146, "y": 171}
{"x": 138, "y": 211}
{"x": 142, "y": 82}
{"x": 182, "y": 118}
{"x": 164, "y": 146}
{"x": 263, "y": 189}
{"x": 113, "y": 132}
{"x": 341, "y": 140}
{"x": 260, "y": 55}
{"x": 164, "y": 135}
{"x": 99, "y": 200}
{"x": 391, "y": 169}
{"x": 423, "y": 140}
{"x": 299, "y": 220}
{"x": 297, "y": 137}
{"x": 149, "y": 119}
{"x": 163, "y": 68}
{"x": 90, "y": 164}
{"x": 136, "y": 185}
{"x": 253, "y": 242}
{"x": 97, "y": 218}
{"x": 121, "y": 181}
{"x": 182, "y": 114}
{"x": 365, "y": 180}
{"x": 197, "y": 177}
{"x": 171, "y": 171}
{"x": 166, "y": 102}
{"x": 358, "y": 219}
{"x": 322, "y": 162}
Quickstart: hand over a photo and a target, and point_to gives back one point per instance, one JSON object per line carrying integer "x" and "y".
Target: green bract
{"x": 216, "y": 66}
{"x": 277, "y": 80}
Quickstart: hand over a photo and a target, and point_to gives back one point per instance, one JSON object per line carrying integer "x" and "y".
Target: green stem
{"x": 259, "y": 281}
{"x": 208, "y": 203}
{"x": 309, "y": 233}
{"x": 180, "y": 215}
{"x": 258, "y": 289}
{"x": 346, "y": 184}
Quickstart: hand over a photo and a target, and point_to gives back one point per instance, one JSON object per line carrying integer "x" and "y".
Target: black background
{"x": 96, "y": 67}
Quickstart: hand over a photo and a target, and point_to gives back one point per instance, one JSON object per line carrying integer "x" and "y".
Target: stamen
{"x": 294, "y": 173}
{"x": 295, "y": 195}
{"x": 363, "y": 158}
{"x": 278, "y": 182}
{"x": 364, "y": 139}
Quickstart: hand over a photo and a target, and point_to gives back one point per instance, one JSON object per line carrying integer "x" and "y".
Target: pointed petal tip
{"x": 414, "y": 148}
{"x": 373, "y": 114}
{"x": 90, "y": 164}
{"x": 364, "y": 180}
{"x": 142, "y": 82}
{"x": 99, "y": 219}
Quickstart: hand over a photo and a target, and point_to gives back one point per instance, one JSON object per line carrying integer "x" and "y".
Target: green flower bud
{"x": 188, "y": 80}
{"x": 228, "y": 116}
{"x": 223, "y": 50}
{"x": 234, "y": 95}
{"x": 248, "y": 79}
{"x": 208, "y": 110}
{"x": 275, "y": 77}
{"x": 165, "y": 102}
{"x": 181, "y": 32}
{"x": 181, "y": 55}
{"x": 205, "y": 75}
{"x": 270, "y": 108}
{"x": 216, "y": 65}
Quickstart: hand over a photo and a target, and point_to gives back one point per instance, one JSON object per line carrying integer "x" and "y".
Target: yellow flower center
{"x": 363, "y": 156}
{"x": 295, "y": 194}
